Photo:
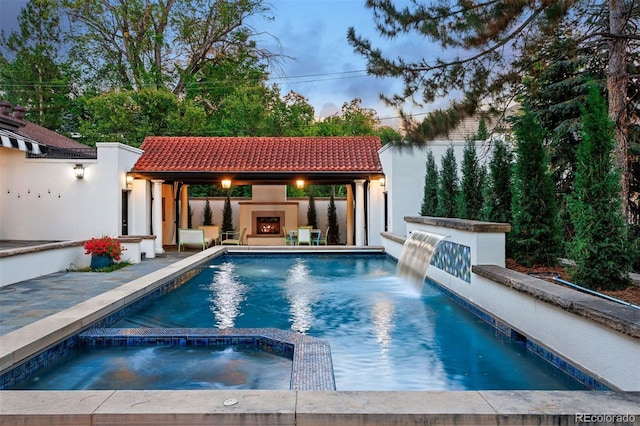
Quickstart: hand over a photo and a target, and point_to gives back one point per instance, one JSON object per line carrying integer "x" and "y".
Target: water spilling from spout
{"x": 416, "y": 255}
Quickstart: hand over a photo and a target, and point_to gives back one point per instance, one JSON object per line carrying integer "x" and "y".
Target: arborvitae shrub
{"x": 473, "y": 176}
{"x": 332, "y": 218}
{"x": 483, "y": 133}
{"x": 497, "y": 191}
{"x": 312, "y": 219}
{"x": 207, "y": 214}
{"x": 448, "y": 185}
{"x": 601, "y": 247}
{"x": 430, "y": 199}
{"x": 227, "y": 216}
{"x": 535, "y": 235}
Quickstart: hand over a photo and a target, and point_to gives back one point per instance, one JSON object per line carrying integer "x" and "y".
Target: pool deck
{"x": 41, "y": 307}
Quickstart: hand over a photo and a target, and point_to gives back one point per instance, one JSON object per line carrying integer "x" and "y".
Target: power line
{"x": 324, "y": 77}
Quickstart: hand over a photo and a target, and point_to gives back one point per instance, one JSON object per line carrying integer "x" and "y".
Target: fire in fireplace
{"x": 268, "y": 225}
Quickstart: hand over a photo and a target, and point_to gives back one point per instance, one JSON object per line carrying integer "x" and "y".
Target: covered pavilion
{"x": 269, "y": 164}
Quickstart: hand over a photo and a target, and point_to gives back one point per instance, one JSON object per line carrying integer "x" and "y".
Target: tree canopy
{"x": 489, "y": 47}
{"x": 31, "y": 71}
{"x": 136, "y": 44}
{"x": 158, "y": 67}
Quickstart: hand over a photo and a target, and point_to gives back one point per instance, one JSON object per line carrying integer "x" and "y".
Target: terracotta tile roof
{"x": 260, "y": 154}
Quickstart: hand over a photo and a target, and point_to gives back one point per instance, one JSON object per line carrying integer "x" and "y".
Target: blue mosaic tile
{"x": 454, "y": 259}
{"x": 565, "y": 366}
{"x": 505, "y": 330}
{"x": 312, "y": 367}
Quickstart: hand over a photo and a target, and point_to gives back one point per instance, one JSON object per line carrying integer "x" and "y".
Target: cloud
{"x": 324, "y": 67}
{"x": 329, "y": 109}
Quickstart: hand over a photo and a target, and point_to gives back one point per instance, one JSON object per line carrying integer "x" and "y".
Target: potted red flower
{"x": 103, "y": 251}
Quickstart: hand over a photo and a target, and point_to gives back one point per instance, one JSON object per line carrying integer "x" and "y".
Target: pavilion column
{"x": 360, "y": 212}
{"x": 156, "y": 214}
{"x": 184, "y": 206}
{"x": 349, "y": 232}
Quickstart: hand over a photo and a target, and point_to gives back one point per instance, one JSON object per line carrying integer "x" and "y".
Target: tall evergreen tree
{"x": 448, "y": 190}
{"x": 227, "y": 215}
{"x": 430, "y": 199}
{"x": 473, "y": 176}
{"x": 207, "y": 214}
{"x": 312, "y": 218}
{"x": 495, "y": 41}
{"x": 601, "y": 247}
{"x": 497, "y": 192}
{"x": 32, "y": 74}
{"x": 535, "y": 235}
{"x": 332, "y": 219}
{"x": 483, "y": 132}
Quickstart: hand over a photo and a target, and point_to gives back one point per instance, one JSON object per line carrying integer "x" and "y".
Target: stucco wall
{"x": 43, "y": 200}
{"x": 405, "y": 170}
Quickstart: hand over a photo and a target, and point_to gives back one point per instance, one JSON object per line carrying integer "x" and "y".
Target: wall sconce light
{"x": 300, "y": 183}
{"x": 129, "y": 179}
{"x": 226, "y": 183}
{"x": 383, "y": 182}
{"x": 78, "y": 171}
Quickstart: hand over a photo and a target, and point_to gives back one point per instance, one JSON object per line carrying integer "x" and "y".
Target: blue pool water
{"x": 164, "y": 367}
{"x": 384, "y": 334}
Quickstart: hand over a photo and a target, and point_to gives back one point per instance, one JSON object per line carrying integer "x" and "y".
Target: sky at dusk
{"x": 318, "y": 63}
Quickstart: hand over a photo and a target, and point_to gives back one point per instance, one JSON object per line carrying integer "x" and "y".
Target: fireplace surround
{"x": 268, "y": 215}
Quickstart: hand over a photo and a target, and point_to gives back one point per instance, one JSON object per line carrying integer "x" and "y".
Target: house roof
{"x": 48, "y": 137}
{"x": 266, "y": 159}
{"x": 35, "y": 140}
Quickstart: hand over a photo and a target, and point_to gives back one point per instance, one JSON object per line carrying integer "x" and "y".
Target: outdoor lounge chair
{"x": 230, "y": 241}
{"x": 211, "y": 234}
{"x": 191, "y": 237}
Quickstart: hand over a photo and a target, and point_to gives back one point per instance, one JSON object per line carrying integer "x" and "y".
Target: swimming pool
{"x": 384, "y": 335}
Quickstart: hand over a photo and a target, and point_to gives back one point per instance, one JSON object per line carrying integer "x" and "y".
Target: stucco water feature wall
{"x": 596, "y": 340}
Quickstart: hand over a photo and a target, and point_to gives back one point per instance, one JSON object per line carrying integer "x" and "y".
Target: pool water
{"x": 164, "y": 367}
{"x": 384, "y": 334}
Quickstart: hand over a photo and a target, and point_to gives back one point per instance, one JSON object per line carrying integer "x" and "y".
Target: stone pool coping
{"x": 33, "y": 338}
{"x": 303, "y": 408}
{"x": 311, "y": 369}
{"x": 619, "y": 317}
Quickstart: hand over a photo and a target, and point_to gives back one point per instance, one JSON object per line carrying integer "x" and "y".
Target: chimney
{"x": 5, "y": 108}
{"x": 9, "y": 122}
{"x": 18, "y": 112}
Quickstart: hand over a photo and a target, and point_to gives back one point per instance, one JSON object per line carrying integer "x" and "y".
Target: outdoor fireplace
{"x": 268, "y": 225}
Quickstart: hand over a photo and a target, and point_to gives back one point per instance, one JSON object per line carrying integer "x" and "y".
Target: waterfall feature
{"x": 416, "y": 255}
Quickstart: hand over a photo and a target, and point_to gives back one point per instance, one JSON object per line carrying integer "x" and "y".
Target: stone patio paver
{"x": 28, "y": 301}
